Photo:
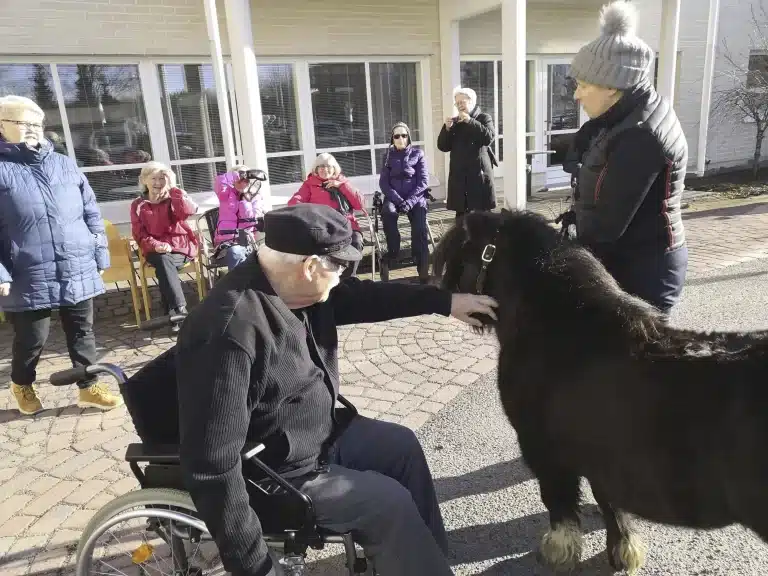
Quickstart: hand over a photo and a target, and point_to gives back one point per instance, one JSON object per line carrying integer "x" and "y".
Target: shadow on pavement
{"x": 714, "y": 279}
{"x": 728, "y": 211}
{"x": 519, "y": 536}
{"x": 483, "y": 481}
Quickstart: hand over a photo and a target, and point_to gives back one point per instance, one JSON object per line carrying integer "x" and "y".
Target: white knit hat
{"x": 469, "y": 93}
{"x": 618, "y": 58}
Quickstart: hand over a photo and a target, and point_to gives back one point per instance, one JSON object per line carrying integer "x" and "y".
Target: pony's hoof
{"x": 560, "y": 548}
{"x": 629, "y": 554}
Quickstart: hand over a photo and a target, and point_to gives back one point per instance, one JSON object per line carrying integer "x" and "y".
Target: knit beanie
{"x": 618, "y": 58}
{"x": 469, "y": 93}
{"x": 395, "y": 127}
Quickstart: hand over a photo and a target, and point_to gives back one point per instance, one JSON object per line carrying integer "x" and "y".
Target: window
{"x": 480, "y": 77}
{"x": 757, "y": 74}
{"x": 35, "y": 81}
{"x": 285, "y": 161}
{"x": 356, "y": 134}
{"x": 108, "y": 125}
{"x": 192, "y": 124}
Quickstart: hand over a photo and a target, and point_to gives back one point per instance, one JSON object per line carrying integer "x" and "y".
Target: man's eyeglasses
{"x": 333, "y": 265}
{"x": 399, "y": 136}
{"x": 29, "y": 125}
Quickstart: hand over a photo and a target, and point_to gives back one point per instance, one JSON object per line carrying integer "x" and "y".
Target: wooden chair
{"x": 121, "y": 265}
{"x": 147, "y": 271}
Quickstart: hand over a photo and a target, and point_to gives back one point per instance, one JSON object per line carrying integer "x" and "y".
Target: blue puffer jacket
{"x": 52, "y": 240}
{"x": 404, "y": 177}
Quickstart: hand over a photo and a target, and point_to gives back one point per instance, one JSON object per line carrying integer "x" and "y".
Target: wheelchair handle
{"x": 73, "y": 375}
{"x": 162, "y": 321}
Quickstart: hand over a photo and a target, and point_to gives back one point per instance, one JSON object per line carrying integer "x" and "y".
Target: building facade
{"x": 125, "y": 81}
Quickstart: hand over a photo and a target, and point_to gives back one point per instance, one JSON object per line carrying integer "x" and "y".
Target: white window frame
{"x": 369, "y": 184}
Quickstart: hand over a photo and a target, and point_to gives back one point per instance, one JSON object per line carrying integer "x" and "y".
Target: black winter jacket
{"x": 470, "y": 180}
{"x": 631, "y": 165}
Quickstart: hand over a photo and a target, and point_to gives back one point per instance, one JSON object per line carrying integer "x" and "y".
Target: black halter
{"x": 486, "y": 258}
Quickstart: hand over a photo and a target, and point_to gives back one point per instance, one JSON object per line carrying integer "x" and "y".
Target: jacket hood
{"x": 24, "y": 154}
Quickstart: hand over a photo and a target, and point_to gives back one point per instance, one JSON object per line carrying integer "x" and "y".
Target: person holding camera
{"x": 404, "y": 180}
{"x": 160, "y": 228}
{"x": 327, "y": 185}
{"x": 241, "y": 212}
{"x": 468, "y": 137}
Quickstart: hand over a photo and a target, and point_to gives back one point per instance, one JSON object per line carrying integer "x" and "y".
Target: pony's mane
{"x": 526, "y": 241}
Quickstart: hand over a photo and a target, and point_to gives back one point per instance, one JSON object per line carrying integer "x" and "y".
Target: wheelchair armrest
{"x": 249, "y": 454}
{"x": 347, "y": 404}
{"x": 153, "y": 453}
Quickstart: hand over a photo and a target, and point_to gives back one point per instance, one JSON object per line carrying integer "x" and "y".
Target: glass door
{"x": 563, "y": 117}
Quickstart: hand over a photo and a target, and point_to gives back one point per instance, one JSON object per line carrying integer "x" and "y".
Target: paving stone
{"x": 446, "y": 393}
{"x": 416, "y": 419}
{"x": 78, "y": 519}
{"x": 43, "y": 484}
{"x": 123, "y": 486}
{"x": 465, "y": 378}
{"x": 484, "y": 366}
{"x": 426, "y": 389}
{"x": 379, "y": 406}
{"x": 94, "y": 469}
{"x": 387, "y": 395}
{"x": 18, "y": 483}
{"x": 16, "y": 526}
{"x": 86, "y": 491}
{"x": 54, "y": 496}
{"x": 12, "y": 505}
{"x": 51, "y": 520}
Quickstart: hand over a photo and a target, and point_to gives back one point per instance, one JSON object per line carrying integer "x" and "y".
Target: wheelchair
{"x": 376, "y": 232}
{"x": 162, "y": 533}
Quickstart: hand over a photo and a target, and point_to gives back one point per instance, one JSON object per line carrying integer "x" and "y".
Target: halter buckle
{"x": 488, "y": 253}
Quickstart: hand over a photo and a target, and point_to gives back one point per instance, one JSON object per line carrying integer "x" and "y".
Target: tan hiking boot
{"x": 27, "y": 399}
{"x": 98, "y": 396}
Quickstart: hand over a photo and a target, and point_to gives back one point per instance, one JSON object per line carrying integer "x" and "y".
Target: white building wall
{"x": 731, "y": 141}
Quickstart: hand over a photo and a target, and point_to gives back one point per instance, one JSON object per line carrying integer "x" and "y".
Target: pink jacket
{"x": 313, "y": 192}
{"x": 233, "y": 209}
{"x": 164, "y": 223}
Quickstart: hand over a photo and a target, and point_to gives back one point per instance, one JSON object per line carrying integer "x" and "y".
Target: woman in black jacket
{"x": 468, "y": 137}
{"x": 630, "y": 160}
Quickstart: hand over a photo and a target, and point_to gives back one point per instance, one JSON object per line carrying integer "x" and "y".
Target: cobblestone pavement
{"x": 58, "y": 468}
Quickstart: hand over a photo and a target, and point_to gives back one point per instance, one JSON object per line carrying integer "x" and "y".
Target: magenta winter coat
{"x": 234, "y": 212}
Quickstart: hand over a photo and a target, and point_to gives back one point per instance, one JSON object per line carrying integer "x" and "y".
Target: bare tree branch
{"x": 742, "y": 89}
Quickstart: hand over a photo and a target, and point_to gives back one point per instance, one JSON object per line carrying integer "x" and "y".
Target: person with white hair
{"x": 328, "y": 186}
{"x": 629, "y": 161}
{"x": 160, "y": 228}
{"x": 52, "y": 249}
{"x": 468, "y": 137}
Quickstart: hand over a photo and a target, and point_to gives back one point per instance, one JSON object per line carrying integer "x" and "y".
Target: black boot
{"x": 423, "y": 271}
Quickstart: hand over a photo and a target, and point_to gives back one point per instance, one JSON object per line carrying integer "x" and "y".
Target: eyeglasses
{"x": 399, "y": 136}
{"x": 29, "y": 125}
{"x": 333, "y": 265}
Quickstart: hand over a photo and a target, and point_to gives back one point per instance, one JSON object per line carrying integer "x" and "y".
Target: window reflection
{"x": 35, "y": 81}
{"x": 339, "y": 105}
{"x": 394, "y": 98}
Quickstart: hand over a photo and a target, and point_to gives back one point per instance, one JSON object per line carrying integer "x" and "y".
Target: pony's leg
{"x": 625, "y": 549}
{"x": 560, "y": 547}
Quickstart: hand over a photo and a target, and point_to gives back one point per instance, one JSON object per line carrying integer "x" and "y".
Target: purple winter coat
{"x": 404, "y": 179}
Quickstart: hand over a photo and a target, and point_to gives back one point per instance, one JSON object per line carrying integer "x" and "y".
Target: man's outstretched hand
{"x": 464, "y": 305}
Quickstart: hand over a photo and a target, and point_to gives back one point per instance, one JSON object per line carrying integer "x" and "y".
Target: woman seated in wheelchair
{"x": 241, "y": 214}
{"x": 160, "y": 228}
{"x": 327, "y": 185}
{"x": 404, "y": 180}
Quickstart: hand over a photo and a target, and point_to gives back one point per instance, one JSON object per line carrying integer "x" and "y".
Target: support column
{"x": 706, "y": 88}
{"x": 220, "y": 79}
{"x": 450, "y": 66}
{"x": 670, "y": 32}
{"x": 247, "y": 88}
{"x": 513, "y": 50}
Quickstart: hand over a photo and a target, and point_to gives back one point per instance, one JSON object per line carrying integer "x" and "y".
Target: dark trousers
{"x": 30, "y": 333}
{"x": 357, "y": 242}
{"x": 417, "y": 216}
{"x": 379, "y": 487}
{"x": 656, "y": 278}
{"x": 167, "y": 268}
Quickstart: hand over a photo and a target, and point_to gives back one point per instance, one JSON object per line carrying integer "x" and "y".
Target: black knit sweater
{"x": 249, "y": 370}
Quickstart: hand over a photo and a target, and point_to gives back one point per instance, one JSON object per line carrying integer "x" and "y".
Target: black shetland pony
{"x": 666, "y": 424}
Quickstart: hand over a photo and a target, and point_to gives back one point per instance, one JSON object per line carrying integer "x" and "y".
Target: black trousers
{"x": 167, "y": 268}
{"x": 357, "y": 242}
{"x": 30, "y": 333}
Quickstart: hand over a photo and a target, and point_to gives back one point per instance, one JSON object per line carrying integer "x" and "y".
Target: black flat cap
{"x": 310, "y": 229}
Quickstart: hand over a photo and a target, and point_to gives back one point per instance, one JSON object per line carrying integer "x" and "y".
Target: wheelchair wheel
{"x": 150, "y": 532}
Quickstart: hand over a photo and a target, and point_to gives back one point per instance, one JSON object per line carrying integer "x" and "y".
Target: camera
{"x": 258, "y": 175}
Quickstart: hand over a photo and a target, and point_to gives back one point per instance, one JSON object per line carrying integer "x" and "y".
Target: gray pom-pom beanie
{"x": 618, "y": 58}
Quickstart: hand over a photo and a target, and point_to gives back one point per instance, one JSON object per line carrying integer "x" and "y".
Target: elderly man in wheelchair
{"x": 263, "y": 450}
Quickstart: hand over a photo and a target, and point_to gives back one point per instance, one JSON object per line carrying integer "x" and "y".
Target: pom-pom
{"x": 618, "y": 18}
